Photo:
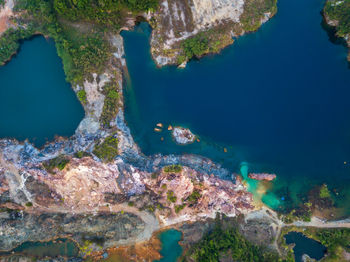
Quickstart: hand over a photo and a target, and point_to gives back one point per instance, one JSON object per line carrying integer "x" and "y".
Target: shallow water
{"x": 171, "y": 250}
{"x": 304, "y": 245}
{"x": 277, "y": 99}
{"x": 60, "y": 247}
{"x": 36, "y": 101}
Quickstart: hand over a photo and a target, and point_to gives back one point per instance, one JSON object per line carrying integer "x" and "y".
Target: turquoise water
{"x": 304, "y": 245}
{"x": 278, "y": 99}
{"x": 171, "y": 250}
{"x": 36, "y": 101}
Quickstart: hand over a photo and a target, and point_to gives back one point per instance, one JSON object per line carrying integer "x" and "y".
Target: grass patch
{"x": 81, "y": 154}
{"x": 107, "y": 150}
{"x": 173, "y": 169}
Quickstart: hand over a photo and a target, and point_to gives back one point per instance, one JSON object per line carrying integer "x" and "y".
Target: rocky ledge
{"x": 183, "y": 136}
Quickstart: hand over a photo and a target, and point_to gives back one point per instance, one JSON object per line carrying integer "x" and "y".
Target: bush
{"x": 193, "y": 198}
{"x": 173, "y": 169}
{"x": 178, "y": 208}
{"x": 59, "y": 162}
{"x": 82, "y": 96}
{"x": 107, "y": 150}
{"x": 29, "y": 204}
{"x": 171, "y": 196}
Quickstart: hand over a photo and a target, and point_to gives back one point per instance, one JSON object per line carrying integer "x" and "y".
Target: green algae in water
{"x": 59, "y": 247}
{"x": 171, "y": 250}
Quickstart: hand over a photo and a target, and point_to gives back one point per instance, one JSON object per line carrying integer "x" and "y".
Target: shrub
{"x": 29, "y": 204}
{"x": 171, "y": 196}
{"x": 173, "y": 169}
{"x": 82, "y": 96}
{"x": 178, "y": 208}
{"x": 193, "y": 198}
{"x": 59, "y": 162}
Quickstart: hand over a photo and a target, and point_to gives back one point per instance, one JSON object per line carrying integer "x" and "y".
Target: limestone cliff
{"x": 216, "y": 21}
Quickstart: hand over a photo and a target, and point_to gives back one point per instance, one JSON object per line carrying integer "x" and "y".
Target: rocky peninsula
{"x": 97, "y": 185}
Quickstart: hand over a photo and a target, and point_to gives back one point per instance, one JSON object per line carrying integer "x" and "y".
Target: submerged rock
{"x": 262, "y": 176}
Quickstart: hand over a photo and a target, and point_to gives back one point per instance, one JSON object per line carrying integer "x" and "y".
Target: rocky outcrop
{"x": 183, "y": 136}
{"x": 218, "y": 20}
{"x": 5, "y": 14}
{"x": 111, "y": 229}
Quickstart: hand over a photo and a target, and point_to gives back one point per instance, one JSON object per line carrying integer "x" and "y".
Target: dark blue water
{"x": 277, "y": 99}
{"x": 171, "y": 250}
{"x": 36, "y": 101}
{"x": 304, "y": 245}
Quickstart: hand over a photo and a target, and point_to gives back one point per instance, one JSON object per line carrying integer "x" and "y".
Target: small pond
{"x": 171, "y": 250}
{"x": 305, "y": 245}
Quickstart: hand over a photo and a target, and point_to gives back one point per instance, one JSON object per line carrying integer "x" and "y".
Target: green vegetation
{"x": 78, "y": 28}
{"x": 9, "y": 42}
{"x": 2, "y": 2}
{"x": 171, "y": 196}
{"x": 59, "y": 162}
{"x": 324, "y": 192}
{"x": 173, "y": 169}
{"x": 131, "y": 203}
{"x": 82, "y": 96}
{"x": 81, "y": 154}
{"x": 254, "y": 12}
{"x": 178, "y": 208}
{"x": 29, "y": 204}
{"x": 110, "y": 107}
{"x": 339, "y": 11}
{"x": 154, "y": 175}
{"x": 107, "y": 150}
{"x": 107, "y": 13}
{"x": 227, "y": 244}
{"x": 196, "y": 46}
{"x": 193, "y": 198}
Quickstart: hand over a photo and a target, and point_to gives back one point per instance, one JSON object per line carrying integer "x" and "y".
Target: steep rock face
{"x": 209, "y": 12}
{"x": 218, "y": 20}
{"x": 18, "y": 227}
